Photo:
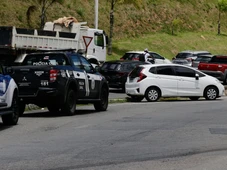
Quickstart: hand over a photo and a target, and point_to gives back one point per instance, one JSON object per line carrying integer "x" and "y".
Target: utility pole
{"x": 96, "y": 13}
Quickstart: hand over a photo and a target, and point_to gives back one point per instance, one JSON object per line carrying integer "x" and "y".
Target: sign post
{"x": 87, "y": 41}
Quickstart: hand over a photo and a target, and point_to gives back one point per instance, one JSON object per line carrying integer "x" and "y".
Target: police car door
{"x": 80, "y": 76}
{"x": 93, "y": 79}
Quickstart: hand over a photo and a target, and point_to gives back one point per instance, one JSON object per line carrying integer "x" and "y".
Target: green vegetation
{"x": 168, "y": 45}
{"x": 193, "y": 23}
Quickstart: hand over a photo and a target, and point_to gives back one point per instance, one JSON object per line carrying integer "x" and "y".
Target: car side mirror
{"x": 197, "y": 76}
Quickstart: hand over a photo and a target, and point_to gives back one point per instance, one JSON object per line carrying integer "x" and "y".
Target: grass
{"x": 169, "y": 45}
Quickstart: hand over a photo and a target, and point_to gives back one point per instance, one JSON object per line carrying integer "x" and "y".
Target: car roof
{"x": 139, "y": 52}
{"x": 124, "y": 61}
{"x": 194, "y": 52}
{"x": 171, "y": 64}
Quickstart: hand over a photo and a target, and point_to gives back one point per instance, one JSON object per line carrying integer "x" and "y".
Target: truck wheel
{"x": 103, "y": 103}
{"x": 22, "y": 106}
{"x": 12, "y": 119}
{"x": 69, "y": 106}
{"x": 211, "y": 93}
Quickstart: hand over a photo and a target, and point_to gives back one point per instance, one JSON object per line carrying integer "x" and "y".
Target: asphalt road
{"x": 166, "y": 135}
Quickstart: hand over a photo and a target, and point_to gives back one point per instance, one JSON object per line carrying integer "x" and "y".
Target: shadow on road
{"x": 47, "y": 114}
{"x": 3, "y": 127}
{"x": 116, "y": 91}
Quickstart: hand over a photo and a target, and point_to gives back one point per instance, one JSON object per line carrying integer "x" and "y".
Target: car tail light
{"x": 53, "y": 75}
{"x": 141, "y": 77}
{"x": 121, "y": 58}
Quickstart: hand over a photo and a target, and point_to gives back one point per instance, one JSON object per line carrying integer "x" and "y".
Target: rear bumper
{"x": 217, "y": 74}
{"x": 41, "y": 97}
{"x": 40, "y": 92}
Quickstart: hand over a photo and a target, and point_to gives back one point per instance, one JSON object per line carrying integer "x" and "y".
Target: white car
{"x": 135, "y": 55}
{"x": 171, "y": 80}
{"x": 9, "y": 108}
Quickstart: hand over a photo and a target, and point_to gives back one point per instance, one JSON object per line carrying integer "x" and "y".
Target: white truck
{"x": 16, "y": 42}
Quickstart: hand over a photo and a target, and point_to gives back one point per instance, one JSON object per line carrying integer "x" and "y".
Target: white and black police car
{"x": 9, "y": 108}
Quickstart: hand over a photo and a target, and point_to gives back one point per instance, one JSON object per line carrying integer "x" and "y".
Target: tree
{"x": 222, "y": 7}
{"x": 136, "y": 3}
{"x": 43, "y": 6}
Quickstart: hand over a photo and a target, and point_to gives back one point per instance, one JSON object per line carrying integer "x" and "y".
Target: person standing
{"x": 146, "y": 55}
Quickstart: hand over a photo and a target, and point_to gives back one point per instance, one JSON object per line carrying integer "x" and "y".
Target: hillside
{"x": 155, "y": 17}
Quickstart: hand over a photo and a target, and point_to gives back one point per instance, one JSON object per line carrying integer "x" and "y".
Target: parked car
{"x": 190, "y": 55}
{"x": 135, "y": 55}
{"x": 9, "y": 108}
{"x": 182, "y": 62}
{"x": 116, "y": 71}
{"x": 171, "y": 80}
{"x": 216, "y": 67}
{"x": 201, "y": 59}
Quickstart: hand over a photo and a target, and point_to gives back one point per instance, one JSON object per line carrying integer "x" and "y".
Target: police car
{"x": 9, "y": 109}
{"x": 59, "y": 80}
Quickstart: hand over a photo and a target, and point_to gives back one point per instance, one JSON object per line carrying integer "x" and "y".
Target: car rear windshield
{"x": 45, "y": 59}
{"x": 131, "y": 56}
{"x": 136, "y": 71}
{"x": 184, "y": 55}
{"x": 219, "y": 59}
{"x": 203, "y": 58}
{"x": 180, "y": 61}
{"x": 120, "y": 66}
{"x": 110, "y": 66}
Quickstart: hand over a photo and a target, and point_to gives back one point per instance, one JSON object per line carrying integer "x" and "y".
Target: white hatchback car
{"x": 171, "y": 80}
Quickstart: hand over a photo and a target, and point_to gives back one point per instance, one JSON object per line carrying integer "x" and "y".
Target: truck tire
{"x": 12, "y": 119}
{"x": 102, "y": 105}
{"x": 69, "y": 106}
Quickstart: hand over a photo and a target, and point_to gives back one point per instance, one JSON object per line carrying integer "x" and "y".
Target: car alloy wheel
{"x": 211, "y": 93}
{"x": 152, "y": 94}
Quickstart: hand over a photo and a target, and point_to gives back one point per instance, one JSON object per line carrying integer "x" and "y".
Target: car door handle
{"x": 88, "y": 76}
{"x": 78, "y": 74}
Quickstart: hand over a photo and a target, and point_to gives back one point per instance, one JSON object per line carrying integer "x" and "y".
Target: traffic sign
{"x": 87, "y": 40}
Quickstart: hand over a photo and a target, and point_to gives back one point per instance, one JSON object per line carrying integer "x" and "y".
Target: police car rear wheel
{"x": 12, "y": 119}
{"x": 69, "y": 107}
{"x": 103, "y": 103}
